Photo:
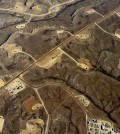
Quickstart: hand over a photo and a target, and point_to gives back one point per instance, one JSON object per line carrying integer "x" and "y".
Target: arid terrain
{"x": 60, "y": 66}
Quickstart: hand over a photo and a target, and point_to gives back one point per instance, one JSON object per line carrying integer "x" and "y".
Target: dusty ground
{"x": 59, "y": 84}
{"x": 102, "y": 90}
{"x": 101, "y": 49}
{"x": 15, "y": 114}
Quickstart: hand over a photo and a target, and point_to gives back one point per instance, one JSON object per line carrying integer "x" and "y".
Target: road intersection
{"x": 69, "y": 40}
{"x": 103, "y": 18}
{"x": 65, "y": 89}
{"x": 36, "y": 15}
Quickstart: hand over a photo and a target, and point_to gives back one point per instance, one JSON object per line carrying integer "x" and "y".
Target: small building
{"x": 32, "y": 105}
{"x": 85, "y": 64}
{"x": 117, "y": 33}
{"x": 15, "y": 86}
